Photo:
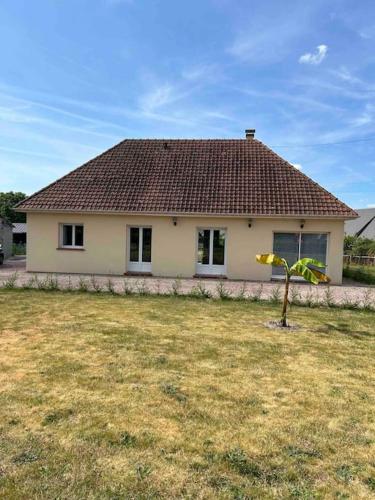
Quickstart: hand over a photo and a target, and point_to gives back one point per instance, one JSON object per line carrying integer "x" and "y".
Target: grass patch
{"x": 362, "y": 274}
{"x": 108, "y": 396}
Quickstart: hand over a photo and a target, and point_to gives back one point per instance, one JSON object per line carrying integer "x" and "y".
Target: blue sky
{"x": 77, "y": 76}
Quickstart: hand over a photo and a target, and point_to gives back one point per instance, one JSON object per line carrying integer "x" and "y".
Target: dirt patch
{"x": 277, "y": 325}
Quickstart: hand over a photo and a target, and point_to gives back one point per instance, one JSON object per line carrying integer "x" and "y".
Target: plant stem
{"x": 285, "y": 302}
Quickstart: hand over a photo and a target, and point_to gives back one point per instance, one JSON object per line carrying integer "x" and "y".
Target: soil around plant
{"x": 277, "y": 325}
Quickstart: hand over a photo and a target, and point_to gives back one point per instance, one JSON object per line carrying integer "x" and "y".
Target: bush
{"x": 83, "y": 285}
{"x": 276, "y": 294}
{"x": 368, "y": 300}
{"x": 69, "y": 285}
{"x": 242, "y": 291}
{"x": 176, "y": 287}
{"x": 354, "y": 245}
{"x": 309, "y": 300}
{"x": 111, "y": 286}
{"x": 127, "y": 287}
{"x": 257, "y": 295}
{"x": 349, "y": 302}
{"x": 295, "y": 296}
{"x": 200, "y": 291}
{"x": 222, "y": 292}
{"x": 19, "y": 249}
{"x": 49, "y": 283}
{"x": 95, "y": 285}
{"x": 11, "y": 282}
{"x": 142, "y": 288}
{"x": 328, "y": 297}
{"x": 31, "y": 283}
{"x": 363, "y": 274}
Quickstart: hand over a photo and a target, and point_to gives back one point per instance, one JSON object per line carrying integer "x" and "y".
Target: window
{"x": 71, "y": 235}
{"x": 295, "y": 246}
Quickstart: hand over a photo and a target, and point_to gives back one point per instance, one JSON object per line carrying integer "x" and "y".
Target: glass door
{"x": 139, "y": 254}
{"x": 211, "y": 259}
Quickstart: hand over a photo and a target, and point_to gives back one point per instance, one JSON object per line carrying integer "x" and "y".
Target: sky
{"x": 78, "y": 76}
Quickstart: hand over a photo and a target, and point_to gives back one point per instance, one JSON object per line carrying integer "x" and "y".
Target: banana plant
{"x": 299, "y": 268}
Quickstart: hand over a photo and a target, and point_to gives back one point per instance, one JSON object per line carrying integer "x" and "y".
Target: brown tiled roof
{"x": 217, "y": 176}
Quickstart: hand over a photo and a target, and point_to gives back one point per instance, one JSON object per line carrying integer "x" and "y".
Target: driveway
{"x": 349, "y": 291}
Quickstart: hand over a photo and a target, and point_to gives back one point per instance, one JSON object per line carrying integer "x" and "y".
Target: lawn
{"x": 159, "y": 397}
{"x": 363, "y": 274}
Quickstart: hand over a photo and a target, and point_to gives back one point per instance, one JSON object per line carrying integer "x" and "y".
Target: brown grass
{"x": 149, "y": 397}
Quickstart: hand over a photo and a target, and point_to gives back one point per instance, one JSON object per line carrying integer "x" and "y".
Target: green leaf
{"x": 306, "y": 261}
{"x": 271, "y": 258}
{"x": 305, "y": 272}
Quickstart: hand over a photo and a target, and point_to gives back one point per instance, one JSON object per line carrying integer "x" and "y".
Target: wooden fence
{"x": 362, "y": 260}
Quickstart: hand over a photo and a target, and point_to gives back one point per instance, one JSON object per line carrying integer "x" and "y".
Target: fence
{"x": 362, "y": 260}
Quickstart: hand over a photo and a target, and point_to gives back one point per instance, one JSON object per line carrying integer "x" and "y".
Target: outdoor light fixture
{"x": 174, "y": 220}
{"x": 249, "y": 222}
{"x": 302, "y": 223}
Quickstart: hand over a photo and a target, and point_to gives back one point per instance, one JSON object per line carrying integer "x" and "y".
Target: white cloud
{"x": 262, "y": 39}
{"x": 201, "y": 72}
{"x": 366, "y": 117}
{"x": 371, "y": 205}
{"x": 258, "y": 45}
{"x": 157, "y": 97}
{"x": 367, "y": 33}
{"x": 298, "y": 166}
{"x": 344, "y": 74}
{"x": 315, "y": 58}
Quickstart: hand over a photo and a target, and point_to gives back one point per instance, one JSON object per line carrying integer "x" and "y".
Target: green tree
{"x": 356, "y": 245}
{"x": 7, "y": 203}
{"x": 299, "y": 268}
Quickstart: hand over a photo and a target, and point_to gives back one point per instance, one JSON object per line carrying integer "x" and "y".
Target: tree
{"x": 299, "y": 268}
{"x": 7, "y": 203}
{"x": 356, "y": 245}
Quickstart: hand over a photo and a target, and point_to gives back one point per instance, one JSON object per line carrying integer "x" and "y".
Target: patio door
{"x": 139, "y": 253}
{"x": 211, "y": 258}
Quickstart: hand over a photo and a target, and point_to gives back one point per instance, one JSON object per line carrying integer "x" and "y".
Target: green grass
{"x": 19, "y": 249}
{"x": 160, "y": 397}
{"x": 363, "y": 274}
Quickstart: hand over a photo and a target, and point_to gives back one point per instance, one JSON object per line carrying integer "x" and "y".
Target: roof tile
{"x": 177, "y": 176}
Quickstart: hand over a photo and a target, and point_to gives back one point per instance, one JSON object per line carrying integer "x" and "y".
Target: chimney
{"x": 250, "y": 133}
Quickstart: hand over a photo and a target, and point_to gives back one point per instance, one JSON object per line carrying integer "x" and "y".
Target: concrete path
{"x": 348, "y": 292}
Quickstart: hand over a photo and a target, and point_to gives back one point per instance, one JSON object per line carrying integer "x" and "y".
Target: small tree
{"x": 7, "y": 203}
{"x": 299, "y": 268}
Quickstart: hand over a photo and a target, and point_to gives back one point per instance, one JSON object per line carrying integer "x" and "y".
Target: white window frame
{"x": 61, "y": 235}
{"x": 211, "y": 269}
{"x": 139, "y": 266}
{"x": 300, "y": 233}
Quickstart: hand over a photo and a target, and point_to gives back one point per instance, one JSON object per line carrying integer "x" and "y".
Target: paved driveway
{"x": 348, "y": 291}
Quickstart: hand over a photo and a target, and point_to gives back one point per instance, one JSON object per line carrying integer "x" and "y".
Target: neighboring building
{"x": 19, "y": 233}
{"x": 364, "y": 226}
{"x": 6, "y": 237}
{"x": 183, "y": 208}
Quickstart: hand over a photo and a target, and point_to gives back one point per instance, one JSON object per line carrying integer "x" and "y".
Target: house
{"x": 183, "y": 208}
{"x": 6, "y": 237}
{"x": 19, "y": 233}
{"x": 364, "y": 226}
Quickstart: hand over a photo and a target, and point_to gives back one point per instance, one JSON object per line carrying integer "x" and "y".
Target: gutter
{"x": 185, "y": 214}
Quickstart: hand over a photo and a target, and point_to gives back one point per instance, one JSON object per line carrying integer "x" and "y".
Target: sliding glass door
{"x": 139, "y": 254}
{"x": 294, "y": 246}
{"x": 211, "y": 252}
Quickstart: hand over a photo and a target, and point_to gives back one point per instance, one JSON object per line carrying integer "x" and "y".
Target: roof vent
{"x": 165, "y": 145}
{"x": 250, "y": 133}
